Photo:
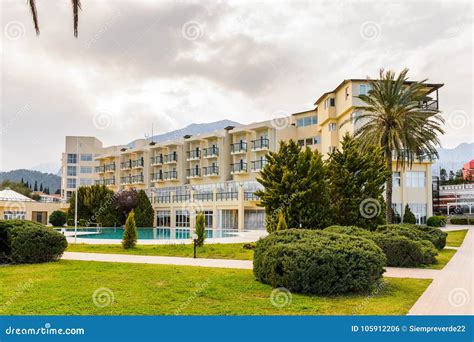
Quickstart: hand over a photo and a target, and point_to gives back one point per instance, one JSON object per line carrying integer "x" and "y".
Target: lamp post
{"x": 194, "y": 236}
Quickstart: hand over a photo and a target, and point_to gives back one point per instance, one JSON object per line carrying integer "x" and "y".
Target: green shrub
{"x": 403, "y": 247}
{"x": 417, "y": 232}
{"x": 281, "y": 221}
{"x": 471, "y": 221}
{"x": 408, "y": 216}
{"x": 459, "y": 220}
{"x": 436, "y": 221}
{"x": 57, "y": 218}
{"x": 81, "y": 223}
{"x": 200, "y": 229}
{"x": 29, "y": 242}
{"x": 318, "y": 262}
{"x": 144, "y": 211}
{"x": 130, "y": 234}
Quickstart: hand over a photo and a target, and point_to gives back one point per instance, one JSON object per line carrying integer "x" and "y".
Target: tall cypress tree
{"x": 356, "y": 185}
{"x": 144, "y": 210}
{"x": 294, "y": 181}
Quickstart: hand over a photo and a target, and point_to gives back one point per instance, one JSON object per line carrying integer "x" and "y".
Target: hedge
{"x": 400, "y": 250}
{"x": 436, "y": 221}
{"x": 417, "y": 232}
{"x": 318, "y": 262}
{"x": 29, "y": 242}
{"x": 460, "y": 220}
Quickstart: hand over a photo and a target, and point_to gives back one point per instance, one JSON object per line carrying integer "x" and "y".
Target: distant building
{"x": 468, "y": 171}
{"x": 453, "y": 199}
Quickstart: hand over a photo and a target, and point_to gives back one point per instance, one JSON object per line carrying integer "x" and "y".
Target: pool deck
{"x": 241, "y": 237}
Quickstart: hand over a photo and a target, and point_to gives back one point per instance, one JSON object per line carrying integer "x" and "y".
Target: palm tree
{"x": 76, "y": 6}
{"x": 393, "y": 118}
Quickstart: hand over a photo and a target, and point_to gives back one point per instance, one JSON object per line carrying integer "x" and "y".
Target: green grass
{"x": 211, "y": 251}
{"x": 456, "y": 237}
{"x": 67, "y": 288}
{"x": 442, "y": 258}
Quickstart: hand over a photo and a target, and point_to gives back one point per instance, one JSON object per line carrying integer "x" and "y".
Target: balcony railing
{"x": 137, "y": 163}
{"x": 429, "y": 104}
{"x": 109, "y": 167}
{"x": 170, "y": 158}
{"x": 193, "y": 154}
{"x": 162, "y": 199}
{"x": 406, "y": 155}
{"x": 258, "y": 165}
{"x": 238, "y": 168}
{"x": 157, "y": 160}
{"x": 137, "y": 179}
{"x": 100, "y": 169}
{"x": 181, "y": 198}
{"x": 156, "y": 177}
{"x": 250, "y": 196}
{"x": 212, "y": 170}
{"x": 108, "y": 181}
{"x": 240, "y": 147}
{"x": 171, "y": 175}
{"x": 193, "y": 173}
{"x": 260, "y": 144}
{"x": 126, "y": 165}
{"x": 204, "y": 196}
{"x": 212, "y": 151}
{"x": 227, "y": 196}
{"x": 125, "y": 180}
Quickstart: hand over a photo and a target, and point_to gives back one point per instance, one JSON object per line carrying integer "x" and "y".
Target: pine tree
{"x": 281, "y": 222}
{"x": 200, "y": 229}
{"x": 35, "y": 188}
{"x": 41, "y": 187}
{"x": 408, "y": 216}
{"x": 294, "y": 181}
{"x": 144, "y": 210}
{"x": 356, "y": 185}
{"x": 130, "y": 234}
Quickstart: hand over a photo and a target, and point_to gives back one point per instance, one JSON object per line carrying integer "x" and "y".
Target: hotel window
{"x": 316, "y": 140}
{"x": 301, "y": 142}
{"x": 396, "y": 181}
{"x": 86, "y": 157}
{"x": 163, "y": 218}
{"x": 85, "y": 181}
{"x": 182, "y": 218}
{"x": 72, "y": 158}
{"x": 14, "y": 215}
{"x": 364, "y": 89}
{"x": 329, "y": 103}
{"x": 208, "y": 217}
{"x": 347, "y": 93}
{"x": 309, "y": 141}
{"x": 332, "y": 127}
{"x": 71, "y": 171}
{"x": 415, "y": 179}
{"x": 86, "y": 169}
{"x": 71, "y": 183}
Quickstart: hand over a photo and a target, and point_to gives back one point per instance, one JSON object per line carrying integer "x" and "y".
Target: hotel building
{"x": 216, "y": 172}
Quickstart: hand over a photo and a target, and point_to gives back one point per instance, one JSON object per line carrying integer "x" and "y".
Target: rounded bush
{"x": 436, "y": 221}
{"x": 459, "y": 220}
{"x": 30, "y": 242}
{"x": 57, "y": 218}
{"x": 318, "y": 262}
{"x": 417, "y": 232}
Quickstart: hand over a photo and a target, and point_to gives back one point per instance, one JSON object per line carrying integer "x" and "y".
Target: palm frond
{"x": 76, "y": 6}
{"x": 34, "y": 14}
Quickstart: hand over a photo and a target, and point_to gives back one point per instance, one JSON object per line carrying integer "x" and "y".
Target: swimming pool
{"x": 149, "y": 233}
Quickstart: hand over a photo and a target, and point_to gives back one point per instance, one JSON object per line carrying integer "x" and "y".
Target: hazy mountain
{"x": 49, "y": 180}
{"x": 192, "y": 129}
{"x": 54, "y": 168}
{"x": 453, "y": 158}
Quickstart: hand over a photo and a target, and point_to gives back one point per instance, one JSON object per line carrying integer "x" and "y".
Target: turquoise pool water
{"x": 150, "y": 233}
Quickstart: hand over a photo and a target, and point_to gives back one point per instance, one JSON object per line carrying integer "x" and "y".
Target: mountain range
{"x": 49, "y": 180}
{"x": 453, "y": 158}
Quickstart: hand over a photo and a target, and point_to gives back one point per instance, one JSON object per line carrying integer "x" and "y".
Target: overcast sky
{"x": 172, "y": 63}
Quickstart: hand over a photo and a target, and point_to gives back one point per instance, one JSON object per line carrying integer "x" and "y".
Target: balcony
{"x": 258, "y": 165}
{"x": 210, "y": 171}
{"x": 157, "y": 160}
{"x": 156, "y": 177}
{"x": 238, "y": 168}
{"x": 109, "y": 167}
{"x": 204, "y": 196}
{"x": 162, "y": 199}
{"x": 193, "y": 154}
{"x": 100, "y": 169}
{"x": 227, "y": 196}
{"x": 137, "y": 179}
{"x": 170, "y": 158}
{"x": 211, "y": 152}
{"x": 407, "y": 155}
{"x": 250, "y": 196}
{"x": 108, "y": 181}
{"x": 171, "y": 175}
{"x": 193, "y": 173}
{"x": 126, "y": 165}
{"x": 237, "y": 148}
{"x": 137, "y": 163}
{"x": 181, "y": 198}
{"x": 260, "y": 144}
{"x": 125, "y": 180}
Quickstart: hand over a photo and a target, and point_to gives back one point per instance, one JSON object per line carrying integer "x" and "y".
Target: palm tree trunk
{"x": 389, "y": 189}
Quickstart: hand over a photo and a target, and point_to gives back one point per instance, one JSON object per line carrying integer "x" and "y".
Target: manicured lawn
{"x": 211, "y": 251}
{"x": 456, "y": 237}
{"x": 67, "y": 288}
{"x": 442, "y": 258}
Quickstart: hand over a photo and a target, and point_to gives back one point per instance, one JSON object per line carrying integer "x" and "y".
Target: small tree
{"x": 200, "y": 229}
{"x": 144, "y": 210}
{"x": 129, "y": 239}
{"x": 281, "y": 221}
{"x": 57, "y": 218}
{"x": 408, "y": 216}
